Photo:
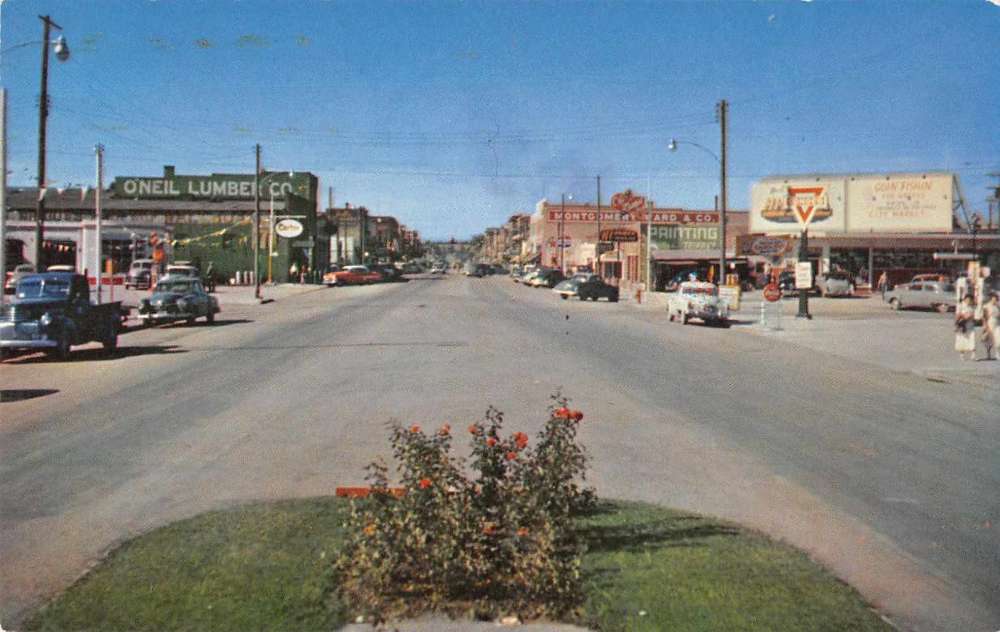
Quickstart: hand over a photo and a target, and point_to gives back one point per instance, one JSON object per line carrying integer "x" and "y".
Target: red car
{"x": 355, "y": 275}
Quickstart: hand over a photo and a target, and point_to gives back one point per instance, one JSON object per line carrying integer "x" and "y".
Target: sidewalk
{"x": 866, "y": 330}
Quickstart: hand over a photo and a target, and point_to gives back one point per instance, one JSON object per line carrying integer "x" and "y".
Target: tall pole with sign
{"x": 804, "y": 211}
{"x": 597, "y": 245}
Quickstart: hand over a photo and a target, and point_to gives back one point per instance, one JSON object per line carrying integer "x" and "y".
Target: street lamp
{"x": 62, "y": 54}
{"x": 270, "y": 240}
{"x": 562, "y": 229}
{"x": 722, "y": 111}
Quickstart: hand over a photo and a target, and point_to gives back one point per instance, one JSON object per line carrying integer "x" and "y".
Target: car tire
{"x": 670, "y": 317}
{"x": 895, "y": 304}
{"x": 210, "y": 317}
{"x": 61, "y": 351}
{"x": 563, "y": 296}
{"x": 942, "y": 308}
{"x": 110, "y": 342}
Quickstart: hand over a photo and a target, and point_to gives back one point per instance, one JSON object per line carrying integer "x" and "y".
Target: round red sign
{"x": 772, "y": 292}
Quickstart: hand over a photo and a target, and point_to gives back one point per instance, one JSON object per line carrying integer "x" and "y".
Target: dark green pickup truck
{"x": 52, "y": 312}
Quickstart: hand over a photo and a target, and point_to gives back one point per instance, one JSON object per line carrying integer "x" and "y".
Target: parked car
{"x": 934, "y": 276}
{"x": 356, "y": 275}
{"x": 52, "y": 311}
{"x": 835, "y": 284}
{"x": 547, "y": 278}
{"x": 178, "y": 298}
{"x": 20, "y": 270}
{"x": 592, "y": 287}
{"x": 329, "y": 277}
{"x": 922, "y": 294}
{"x": 567, "y": 288}
{"x": 697, "y": 299}
{"x": 478, "y": 270}
{"x": 389, "y": 272}
{"x": 439, "y": 268}
{"x": 140, "y": 274}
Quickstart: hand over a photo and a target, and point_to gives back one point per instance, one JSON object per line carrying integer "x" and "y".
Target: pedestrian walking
{"x": 883, "y": 283}
{"x": 965, "y": 329}
{"x": 991, "y": 326}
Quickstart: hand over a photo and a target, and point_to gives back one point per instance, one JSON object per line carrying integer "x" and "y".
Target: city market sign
{"x": 213, "y": 187}
{"x": 289, "y": 228}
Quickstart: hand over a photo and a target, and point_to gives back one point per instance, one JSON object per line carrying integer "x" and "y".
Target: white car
{"x": 697, "y": 299}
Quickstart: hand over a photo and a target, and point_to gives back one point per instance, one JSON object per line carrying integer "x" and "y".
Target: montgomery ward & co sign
{"x": 213, "y": 187}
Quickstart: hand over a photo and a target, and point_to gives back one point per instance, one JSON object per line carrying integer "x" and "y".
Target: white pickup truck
{"x": 698, "y": 299}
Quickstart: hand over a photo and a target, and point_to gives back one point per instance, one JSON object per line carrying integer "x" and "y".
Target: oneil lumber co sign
{"x": 218, "y": 186}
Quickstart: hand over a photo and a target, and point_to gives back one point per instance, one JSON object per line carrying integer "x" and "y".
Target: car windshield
{"x": 175, "y": 287}
{"x": 43, "y": 288}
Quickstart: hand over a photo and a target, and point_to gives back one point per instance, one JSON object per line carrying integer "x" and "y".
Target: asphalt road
{"x": 889, "y": 479}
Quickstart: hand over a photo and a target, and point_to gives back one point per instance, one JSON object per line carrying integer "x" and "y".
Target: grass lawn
{"x": 266, "y": 566}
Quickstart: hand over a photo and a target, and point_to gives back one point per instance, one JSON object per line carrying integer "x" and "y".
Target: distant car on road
{"x": 696, "y": 299}
{"x": 183, "y": 270}
{"x": 139, "y": 274}
{"x": 439, "y": 268}
{"x": 389, "y": 272}
{"x": 922, "y": 294}
{"x": 53, "y": 312}
{"x": 178, "y": 298}
{"x": 835, "y": 284}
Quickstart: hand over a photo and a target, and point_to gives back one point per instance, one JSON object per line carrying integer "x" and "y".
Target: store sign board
{"x": 605, "y": 246}
{"x": 786, "y": 205}
{"x": 660, "y": 216}
{"x": 685, "y": 237}
{"x": 803, "y": 275}
{"x": 628, "y": 201}
{"x": 619, "y": 235}
{"x": 766, "y": 246}
{"x": 900, "y": 203}
{"x": 213, "y": 187}
{"x": 289, "y": 228}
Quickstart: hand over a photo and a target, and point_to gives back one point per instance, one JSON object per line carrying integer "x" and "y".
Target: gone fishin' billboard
{"x": 870, "y": 203}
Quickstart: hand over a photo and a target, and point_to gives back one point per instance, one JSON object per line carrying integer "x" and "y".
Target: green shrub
{"x": 501, "y": 541}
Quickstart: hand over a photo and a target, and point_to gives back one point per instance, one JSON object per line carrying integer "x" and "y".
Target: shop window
{"x": 59, "y": 253}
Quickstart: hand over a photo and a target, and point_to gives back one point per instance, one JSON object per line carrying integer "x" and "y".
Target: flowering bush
{"x": 500, "y": 541}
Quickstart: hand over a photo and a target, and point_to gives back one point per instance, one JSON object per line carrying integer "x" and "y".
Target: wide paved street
{"x": 888, "y": 478}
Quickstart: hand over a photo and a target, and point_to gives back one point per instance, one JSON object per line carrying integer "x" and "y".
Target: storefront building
{"x": 899, "y": 224}
{"x": 203, "y": 219}
{"x": 683, "y": 240}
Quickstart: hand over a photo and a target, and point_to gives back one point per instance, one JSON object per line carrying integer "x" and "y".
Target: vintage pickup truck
{"x": 52, "y": 312}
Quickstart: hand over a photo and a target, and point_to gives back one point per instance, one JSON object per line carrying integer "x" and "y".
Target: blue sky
{"x": 454, "y": 115}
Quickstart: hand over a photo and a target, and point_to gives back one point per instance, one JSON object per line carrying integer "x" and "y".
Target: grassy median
{"x": 266, "y": 566}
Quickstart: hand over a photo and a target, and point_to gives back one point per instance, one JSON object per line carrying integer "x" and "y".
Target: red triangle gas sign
{"x": 804, "y": 201}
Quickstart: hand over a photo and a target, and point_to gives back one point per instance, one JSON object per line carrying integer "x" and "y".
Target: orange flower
{"x": 474, "y": 429}
{"x": 489, "y": 528}
{"x": 414, "y": 428}
{"x": 521, "y": 440}
{"x": 523, "y": 531}
{"x": 576, "y": 415}
{"x": 490, "y": 441}
{"x": 370, "y": 529}
{"x": 424, "y": 483}
{"x": 511, "y": 456}
{"x": 561, "y": 413}
{"x": 445, "y": 429}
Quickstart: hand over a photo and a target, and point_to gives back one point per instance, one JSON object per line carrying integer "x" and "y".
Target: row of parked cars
{"x": 582, "y": 285}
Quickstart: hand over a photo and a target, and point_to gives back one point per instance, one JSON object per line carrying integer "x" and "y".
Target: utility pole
{"x": 562, "y": 220}
{"x": 256, "y": 224}
{"x": 43, "y": 113}
{"x": 99, "y": 150}
{"x": 723, "y": 110}
{"x": 3, "y": 191}
{"x": 597, "y": 260}
{"x": 993, "y": 202}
